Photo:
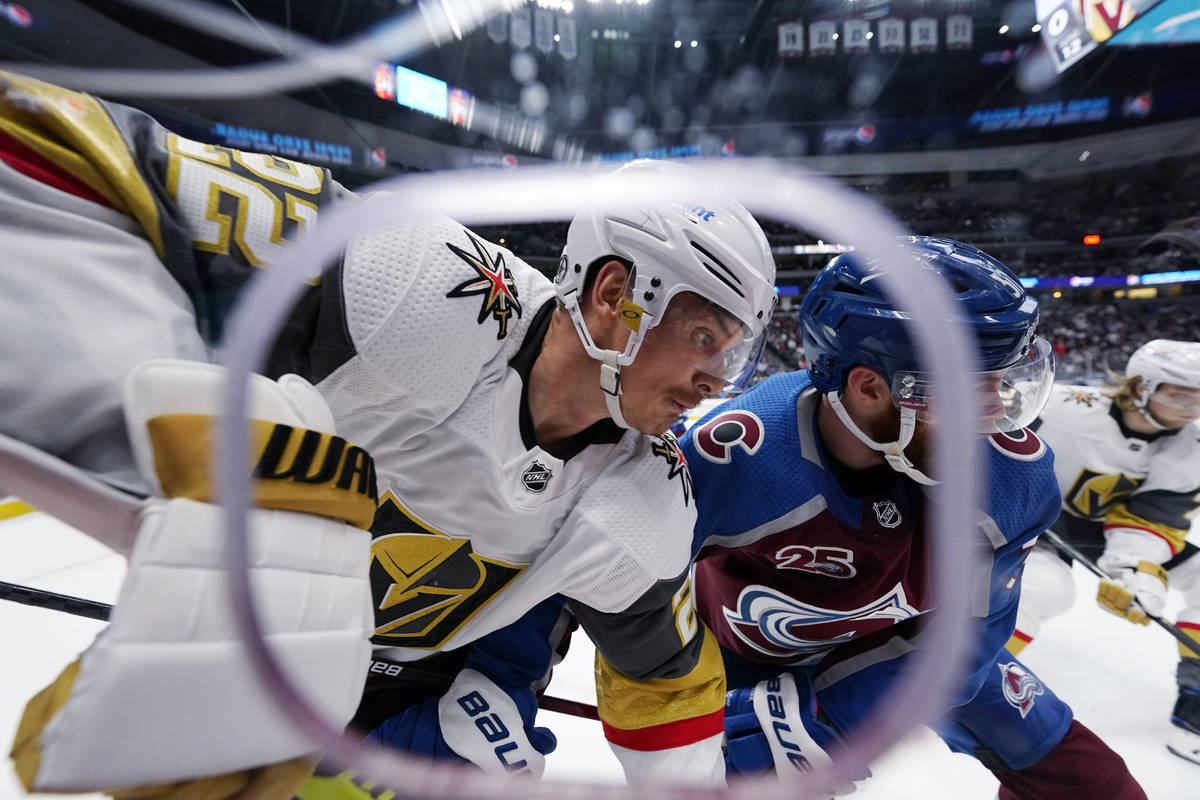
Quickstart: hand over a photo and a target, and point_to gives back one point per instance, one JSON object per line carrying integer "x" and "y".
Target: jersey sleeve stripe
{"x": 671, "y": 734}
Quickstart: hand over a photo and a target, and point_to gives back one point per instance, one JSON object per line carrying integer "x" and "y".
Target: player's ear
{"x": 867, "y": 387}
{"x": 604, "y": 299}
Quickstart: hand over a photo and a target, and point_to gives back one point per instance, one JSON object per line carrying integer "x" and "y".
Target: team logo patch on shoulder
{"x": 666, "y": 448}
{"x": 1020, "y": 686}
{"x": 494, "y": 282}
{"x": 1023, "y": 445}
{"x": 1082, "y": 397}
{"x": 716, "y": 439}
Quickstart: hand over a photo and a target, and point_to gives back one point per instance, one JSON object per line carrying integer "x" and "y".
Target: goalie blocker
{"x": 171, "y": 652}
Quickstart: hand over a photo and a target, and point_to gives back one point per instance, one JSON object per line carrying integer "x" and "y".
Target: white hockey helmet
{"x": 711, "y": 247}
{"x": 1163, "y": 361}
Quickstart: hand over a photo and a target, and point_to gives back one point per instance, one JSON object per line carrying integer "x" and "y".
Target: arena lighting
{"x": 1091, "y": 238}
{"x": 1003, "y": 29}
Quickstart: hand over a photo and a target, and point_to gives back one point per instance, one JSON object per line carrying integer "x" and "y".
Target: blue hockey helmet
{"x": 848, "y": 320}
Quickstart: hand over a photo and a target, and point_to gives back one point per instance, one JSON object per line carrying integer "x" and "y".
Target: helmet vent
{"x": 845, "y": 288}
{"x": 729, "y": 277}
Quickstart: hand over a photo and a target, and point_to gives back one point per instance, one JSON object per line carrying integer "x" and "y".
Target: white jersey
{"x": 1117, "y": 477}
{"x": 477, "y": 523}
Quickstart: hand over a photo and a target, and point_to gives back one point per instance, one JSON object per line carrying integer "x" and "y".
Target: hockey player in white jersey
{"x": 1127, "y": 458}
{"x": 519, "y": 480}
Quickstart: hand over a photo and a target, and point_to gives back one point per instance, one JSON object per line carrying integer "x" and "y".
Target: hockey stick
{"x": 92, "y": 609}
{"x": 1091, "y": 566}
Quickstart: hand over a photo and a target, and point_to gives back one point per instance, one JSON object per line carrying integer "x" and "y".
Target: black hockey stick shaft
{"x": 1092, "y": 567}
{"x": 40, "y": 598}
{"x": 92, "y": 609}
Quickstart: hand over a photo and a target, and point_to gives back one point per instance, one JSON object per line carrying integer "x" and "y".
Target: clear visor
{"x": 714, "y": 342}
{"x": 1008, "y": 399}
{"x": 1182, "y": 400}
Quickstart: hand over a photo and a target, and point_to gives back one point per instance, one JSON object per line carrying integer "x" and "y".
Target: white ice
{"x": 1118, "y": 678}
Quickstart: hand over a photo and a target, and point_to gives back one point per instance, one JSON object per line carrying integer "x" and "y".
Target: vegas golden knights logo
{"x": 1094, "y": 493}
{"x": 426, "y": 584}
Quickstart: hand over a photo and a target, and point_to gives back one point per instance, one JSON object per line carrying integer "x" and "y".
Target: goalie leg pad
{"x": 170, "y": 669}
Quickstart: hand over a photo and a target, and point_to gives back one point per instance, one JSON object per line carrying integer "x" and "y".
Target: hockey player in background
{"x": 514, "y": 425}
{"x": 812, "y": 540}
{"x": 1127, "y": 458}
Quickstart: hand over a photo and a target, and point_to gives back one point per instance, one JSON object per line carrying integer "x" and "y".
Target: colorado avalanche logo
{"x": 494, "y": 281}
{"x": 716, "y": 439}
{"x": 1022, "y": 445}
{"x": 770, "y": 622}
{"x": 1020, "y": 686}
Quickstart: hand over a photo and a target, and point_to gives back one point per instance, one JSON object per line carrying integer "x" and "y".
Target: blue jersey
{"x": 802, "y": 561}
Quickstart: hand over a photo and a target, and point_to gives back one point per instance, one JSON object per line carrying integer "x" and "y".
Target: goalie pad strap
{"x": 294, "y": 468}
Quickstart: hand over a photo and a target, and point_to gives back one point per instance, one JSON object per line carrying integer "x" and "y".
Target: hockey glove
{"x": 1138, "y": 587}
{"x": 477, "y": 721}
{"x": 774, "y": 726}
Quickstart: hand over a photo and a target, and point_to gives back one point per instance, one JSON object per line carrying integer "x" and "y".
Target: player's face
{"x": 677, "y": 363}
{"x": 1175, "y": 406}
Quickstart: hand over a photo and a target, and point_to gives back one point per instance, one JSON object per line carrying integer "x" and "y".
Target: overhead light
{"x": 1037, "y": 27}
{"x": 694, "y": 43}
{"x": 1085, "y": 155}
{"x": 835, "y": 35}
{"x": 870, "y": 34}
{"x": 678, "y": 43}
{"x": 1003, "y": 29}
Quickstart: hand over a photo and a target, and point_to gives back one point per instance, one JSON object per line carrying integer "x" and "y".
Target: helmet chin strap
{"x": 893, "y": 452}
{"x": 610, "y": 384}
{"x": 1142, "y": 404}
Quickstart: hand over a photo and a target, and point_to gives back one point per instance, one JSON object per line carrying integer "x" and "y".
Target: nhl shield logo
{"x": 1020, "y": 686}
{"x": 887, "y": 513}
{"x": 536, "y": 476}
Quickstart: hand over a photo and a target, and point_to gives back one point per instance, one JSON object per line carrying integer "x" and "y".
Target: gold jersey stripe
{"x": 294, "y": 469}
{"x": 1121, "y": 517}
{"x": 631, "y": 705}
{"x": 74, "y": 131}
{"x": 14, "y": 508}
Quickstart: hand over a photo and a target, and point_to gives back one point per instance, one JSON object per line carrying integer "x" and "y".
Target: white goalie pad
{"x": 165, "y": 693}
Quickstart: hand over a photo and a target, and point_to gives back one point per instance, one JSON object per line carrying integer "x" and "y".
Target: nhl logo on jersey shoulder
{"x": 536, "y": 476}
{"x": 887, "y": 513}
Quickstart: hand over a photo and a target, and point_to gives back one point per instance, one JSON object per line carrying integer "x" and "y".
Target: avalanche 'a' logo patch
{"x": 494, "y": 281}
{"x": 716, "y": 439}
{"x": 1020, "y": 686}
{"x": 666, "y": 448}
{"x": 426, "y": 585}
{"x": 783, "y": 627}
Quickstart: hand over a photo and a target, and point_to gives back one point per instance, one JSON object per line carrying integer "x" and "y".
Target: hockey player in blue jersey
{"x": 812, "y": 542}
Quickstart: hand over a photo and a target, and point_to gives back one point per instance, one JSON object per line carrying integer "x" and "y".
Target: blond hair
{"x": 1123, "y": 390}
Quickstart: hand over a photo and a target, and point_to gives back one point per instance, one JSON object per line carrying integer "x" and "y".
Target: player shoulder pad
{"x": 1022, "y": 494}
{"x": 644, "y": 505}
{"x": 431, "y": 305}
{"x": 750, "y": 460}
